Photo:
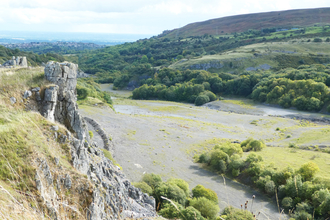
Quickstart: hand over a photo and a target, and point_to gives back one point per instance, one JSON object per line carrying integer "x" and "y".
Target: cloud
{"x": 129, "y": 16}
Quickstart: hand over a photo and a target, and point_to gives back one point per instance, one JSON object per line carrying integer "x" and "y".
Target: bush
{"x": 82, "y": 93}
{"x": 201, "y": 191}
{"x": 270, "y": 187}
{"x": 170, "y": 191}
{"x": 308, "y": 170}
{"x": 251, "y": 144}
{"x": 152, "y": 179}
{"x": 317, "y": 40}
{"x": 180, "y": 183}
{"x": 170, "y": 212}
{"x": 232, "y": 213}
{"x": 208, "y": 208}
{"x": 287, "y": 203}
{"x": 190, "y": 213}
{"x": 91, "y": 135}
{"x": 201, "y": 100}
{"x": 144, "y": 187}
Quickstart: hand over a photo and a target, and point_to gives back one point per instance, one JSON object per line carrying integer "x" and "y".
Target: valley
{"x": 162, "y": 137}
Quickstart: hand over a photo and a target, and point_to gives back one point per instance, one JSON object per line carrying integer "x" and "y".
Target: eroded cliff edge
{"x": 107, "y": 193}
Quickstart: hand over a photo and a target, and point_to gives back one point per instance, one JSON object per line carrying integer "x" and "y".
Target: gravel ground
{"x": 161, "y": 137}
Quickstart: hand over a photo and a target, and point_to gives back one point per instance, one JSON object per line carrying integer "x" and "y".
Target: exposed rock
{"x": 37, "y": 89}
{"x": 27, "y": 94}
{"x": 108, "y": 145}
{"x": 113, "y": 196}
{"x": 54, "y": 128}
{"x": 16, "y": 61}
{"x": 64, "y": 75}
{"x": 260, "y": 67}
{"x": 206, "y": 66}
{"x": 81, "y": 74}
{"x": 12, "y": 100}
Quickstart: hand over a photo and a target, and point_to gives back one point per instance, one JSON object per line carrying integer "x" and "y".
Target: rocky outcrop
{"x": 16, "y": 61}
{"x": 110, "y": 195}
{"x": 106, "y": 140}
{"x": 60, "y": 103}
{"x": 206, "y": 66}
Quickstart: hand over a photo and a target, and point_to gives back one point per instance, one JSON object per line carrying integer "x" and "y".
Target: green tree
{"x": 207, "y": 208}
{"x": 201, "y": 191}
{"x": 308, "y": 170}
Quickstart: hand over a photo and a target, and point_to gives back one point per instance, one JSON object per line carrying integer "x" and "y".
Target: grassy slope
{"x": 25, "y": 136}
{"x": 243, "y": 57}
{"x": 241, "y": 23}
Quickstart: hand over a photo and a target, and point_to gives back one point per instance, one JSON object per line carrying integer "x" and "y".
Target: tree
{"x": 144, "y": 59}
{"x": 201, "y": 99}
{"x": 207, "y": 208}
{"x": 152, "y": 179}
{"x": 201, "y": 191}
{"x": 308, "y": 170}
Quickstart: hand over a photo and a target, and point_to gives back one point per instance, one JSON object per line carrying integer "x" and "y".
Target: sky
{"x": 129, "y": 16}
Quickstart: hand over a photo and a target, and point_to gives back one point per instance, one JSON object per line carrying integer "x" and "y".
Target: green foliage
{"x": 190, "y": 213}
{"x": 170, "y": 191}
{"x": 144, "y": 187}
{"x": 201, "y": 191}
{"x": 308, "y": 170}
{"x": 207, "y": 208}
{"x": 231, "y": 213}
{"x": 152, "y": 180}
{"x": 87, "y": 87}
{"x": 201, "y": 100}
{"x": 32, "y": 58}
{"x": 91, "y": 135}
{"x": 251, "y": 144}
{"x": 108, "y": 155}
{"x": 180, "y": 183}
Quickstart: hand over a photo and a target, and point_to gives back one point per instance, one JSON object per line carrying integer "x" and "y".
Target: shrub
{"x": 270, "y": 187}
{"x": 208, "y": 208}
{"x": 190, "y": 213}
{"x": 308, "y": 170}
{"x": 169, "y": 211}
{"x": 82, "y": 93}
{"x": 204, "y": 158}
{"x": 302, "y": 215}
{"x": 317, "y": 40}
{"x": 144, "y": 187}
{"x": 91, "y": 135}
{"x": 232, "y": 213}
{"x": 287, "y": 203}
{"x": 152, "y": 179}
{"x": 180, "y": 183}
{"x": 201, "y": 100}
{"x": 201, "y": 191}
{"x": 251, "y": 144}
{"x": 170, "y": 191}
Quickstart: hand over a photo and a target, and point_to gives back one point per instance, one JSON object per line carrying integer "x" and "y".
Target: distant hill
{"x": 241, "y": 23}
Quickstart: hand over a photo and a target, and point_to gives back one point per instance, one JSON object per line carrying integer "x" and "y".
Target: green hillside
{"x": 258, "y": 21}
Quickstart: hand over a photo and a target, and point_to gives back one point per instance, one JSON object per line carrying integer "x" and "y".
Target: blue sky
{"x": 129, "y": 16}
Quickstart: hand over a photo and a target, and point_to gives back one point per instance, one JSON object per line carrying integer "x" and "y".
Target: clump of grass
{"x": 293, "y": 145}
{"x": 108, "y": 155}
{"x": 91, "y": 135}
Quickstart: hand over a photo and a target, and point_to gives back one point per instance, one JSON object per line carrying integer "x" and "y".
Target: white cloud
{"x": 130, "y": 16}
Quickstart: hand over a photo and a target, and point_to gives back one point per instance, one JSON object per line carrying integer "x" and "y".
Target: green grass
{"x": 314, "y": 135}
{"x": 282, "y": 157}
{"x": 108, "y": 155}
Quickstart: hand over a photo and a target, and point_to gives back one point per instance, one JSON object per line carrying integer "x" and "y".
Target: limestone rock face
{"x": 113, "y": 196}
{"x": 16, "y": 61}
{"x": 64, "y": 76}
